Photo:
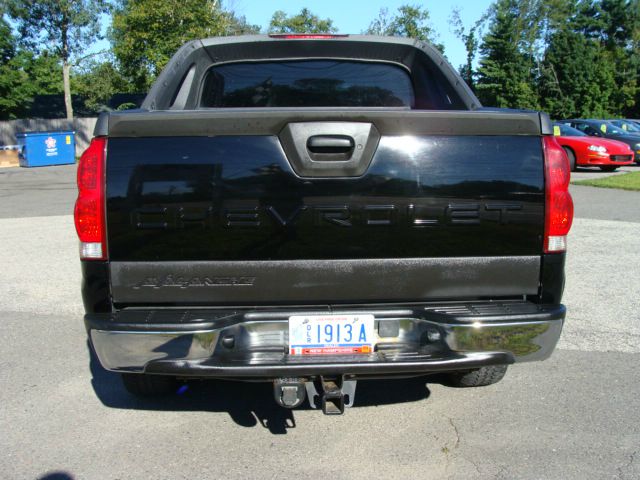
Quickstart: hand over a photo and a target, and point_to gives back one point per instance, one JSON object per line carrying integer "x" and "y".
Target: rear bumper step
{"x": 254, "y": 344}
{"x": 374, "y": 365}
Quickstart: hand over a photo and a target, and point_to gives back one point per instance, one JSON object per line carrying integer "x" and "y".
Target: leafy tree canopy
{"x": 470, "y": 36}
{"x": 98, "y": 82}
{"x": 577, "y": 77}
{"x": 7, "y": 41}
{"x": 571, "y": 57}
{"x": 10, "y": 77}
{"x": 303, "y": 22}
{"x": 64, "y": 27}
{"x": 146, "y": 33}
{"x": 506, "y": 76}
{"x": 410, "y": 21}
{"x": 25, "y": 76}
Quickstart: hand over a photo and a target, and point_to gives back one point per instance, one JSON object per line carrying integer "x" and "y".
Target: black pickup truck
{"x": 313, "y": 210}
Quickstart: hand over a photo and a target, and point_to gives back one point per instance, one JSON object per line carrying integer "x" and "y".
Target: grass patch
{"x": 628, "y": 181}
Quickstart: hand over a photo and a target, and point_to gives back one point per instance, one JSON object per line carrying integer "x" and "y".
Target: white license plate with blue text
{"x": 331, "y": 334}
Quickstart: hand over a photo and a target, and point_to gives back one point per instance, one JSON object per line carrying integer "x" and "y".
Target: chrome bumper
{"x": 254, "y": 344}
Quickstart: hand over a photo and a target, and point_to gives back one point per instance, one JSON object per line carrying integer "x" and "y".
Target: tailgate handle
{"x": 330, "y": 147}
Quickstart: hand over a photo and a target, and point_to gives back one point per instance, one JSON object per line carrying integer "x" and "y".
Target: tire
{"x": 572, "y": 158}
{"x": 477, "y": 378}
{"x": 142, "y": 385}
{"x": 609, "y": 168}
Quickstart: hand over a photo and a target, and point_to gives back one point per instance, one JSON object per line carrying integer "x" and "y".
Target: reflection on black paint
{"x": 184, "y": 199}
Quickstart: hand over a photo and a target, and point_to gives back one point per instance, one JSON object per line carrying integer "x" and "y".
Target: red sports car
{"x": 586, "y": 151}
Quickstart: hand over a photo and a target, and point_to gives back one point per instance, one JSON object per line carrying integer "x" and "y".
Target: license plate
{"x": 330, "y": 334}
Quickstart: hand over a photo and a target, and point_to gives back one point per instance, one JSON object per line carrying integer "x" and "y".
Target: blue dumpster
{"x": 38, "y": 149}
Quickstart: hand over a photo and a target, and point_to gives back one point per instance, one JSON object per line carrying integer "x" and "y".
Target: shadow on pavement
{"x": 56, "y": 476}
{"x": 248, "y": 404}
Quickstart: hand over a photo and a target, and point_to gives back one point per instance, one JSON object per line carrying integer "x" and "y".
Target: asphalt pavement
{"x": 574, "y": 416}
{"x": 37, "y": 192}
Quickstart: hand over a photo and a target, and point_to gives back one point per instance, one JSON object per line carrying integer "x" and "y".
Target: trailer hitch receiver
{"x": 331, "y": 394}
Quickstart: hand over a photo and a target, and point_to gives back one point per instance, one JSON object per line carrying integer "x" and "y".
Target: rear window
{"x": 307, "y": 83}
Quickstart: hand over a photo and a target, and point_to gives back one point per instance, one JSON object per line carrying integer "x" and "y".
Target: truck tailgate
{"x": 214, "y": 208}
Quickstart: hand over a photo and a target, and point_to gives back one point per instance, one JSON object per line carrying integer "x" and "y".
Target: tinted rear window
{"x": 307, "y": 83}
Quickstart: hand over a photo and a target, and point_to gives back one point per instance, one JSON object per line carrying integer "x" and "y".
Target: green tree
{"x": 507, "y": 76}
{"x": 67, "y": 27}
{"x": 238, "y": 25}
{"x": 98, "y": 82}
{"x": 615, "y": 25}
{"x": 410, "y": 21}
{"x": 590, "y": 65}
{"x": 471, "y": 39}
{"x": 7, "y": 41}
{"x": 570, "y": 57}
{"x": 303, "y": 22}
{"x": 576, "y": 72}
{"x": 577, "y": 77}
{"x": 146, "y": 33}
{"x": 43, "y": 71}
{"x": 10, "y": 77}
{"x": 23, "y": 75}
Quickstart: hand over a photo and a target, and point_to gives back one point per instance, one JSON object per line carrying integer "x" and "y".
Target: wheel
{"x": 477, "y": 378}
{"x": 572, "y": 158}
{"x": 609, "y": 168}
{"x": 142, "y": 385}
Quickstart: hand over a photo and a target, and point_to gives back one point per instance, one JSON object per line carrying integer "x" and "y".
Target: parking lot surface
{"x": 572, "y": 416}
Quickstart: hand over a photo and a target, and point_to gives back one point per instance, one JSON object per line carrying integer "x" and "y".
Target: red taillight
{"x": 90, "y": 205}
{"x": 307, "y": 36}
{"x": 558, "y": 203}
